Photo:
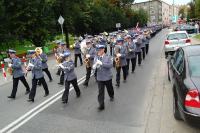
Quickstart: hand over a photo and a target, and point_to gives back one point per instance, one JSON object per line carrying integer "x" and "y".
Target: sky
{"x": 177, "y": 2}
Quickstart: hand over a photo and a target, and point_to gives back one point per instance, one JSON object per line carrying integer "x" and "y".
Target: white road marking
{"x": 29, "y": 113}
{"x": 38, "y": 111}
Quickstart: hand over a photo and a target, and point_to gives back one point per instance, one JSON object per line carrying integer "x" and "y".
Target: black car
{"x": 184, "y": 74}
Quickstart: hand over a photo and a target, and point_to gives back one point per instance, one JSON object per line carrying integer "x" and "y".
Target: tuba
{"x": 117, "y": 59}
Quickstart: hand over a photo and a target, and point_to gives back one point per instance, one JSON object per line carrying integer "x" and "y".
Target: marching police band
{"x": 125, "y": 49}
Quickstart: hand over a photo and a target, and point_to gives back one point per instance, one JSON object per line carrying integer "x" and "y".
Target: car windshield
{"x": 194, "y": 66}
{"x": 177, "y": 36}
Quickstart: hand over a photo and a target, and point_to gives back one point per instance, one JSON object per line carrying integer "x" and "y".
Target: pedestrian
{"x": 35, "y": 66}
{"x": 70, "y": 77}
{"x": 77, "y": 52}
{"x": 143, "y": 46}
{"x": 62, "y": 49}
{"x": 138, "y": 43}
{"x": 45, "y": 69}
{"x": 148, "y": 37}
{"x": 131, "y": 47}
{"x": 103, "y": 64}
{"x": 88, "y": 60}
{"x": 120, "y": 60}
{"x": 197, "y": 28}
{"x": 17, "y": 73}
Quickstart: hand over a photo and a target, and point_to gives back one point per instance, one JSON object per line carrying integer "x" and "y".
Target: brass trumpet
{"x": 117, "y": 59}
{"x": 87, "y": 62}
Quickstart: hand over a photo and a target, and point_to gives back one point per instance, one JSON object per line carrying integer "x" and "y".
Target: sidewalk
{"x": 195, "y": 41}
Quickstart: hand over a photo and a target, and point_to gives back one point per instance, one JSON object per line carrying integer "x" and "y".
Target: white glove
{"x": 119, "y": 55}
{"x": 94, "y": 66}
{"x": 30, "y": 65}
{"x": 61, "y": 66}
{"x": 99, "y": 62}
{"x": 61, "y": 55}
{"x": 87, "y": 56}
{"x": 9, "y": 65}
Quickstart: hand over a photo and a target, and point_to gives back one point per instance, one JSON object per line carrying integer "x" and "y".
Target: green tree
{"x": 197, "y": 8}
{"x": 30, "y": 20}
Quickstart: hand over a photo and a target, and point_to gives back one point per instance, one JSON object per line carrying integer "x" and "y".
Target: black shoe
{"x": 60, "y": 83}
{"x": 78, "y": 95}
{"x": 132, "y": 72}
{"x": 112, "y": 99}
{"x": 64, "y": 101}
{"x": 58, "y": 74}
{"x": 85, "y": 85}
{"x": 11, "y": 97}
{"x": 39, "y": 84}
{"x": 46, "y": 94}
{"x": 50, "y": 80}
{"x": 124, "y": 81}
{"x": 117, "y": 84}
{"x": 27, "y": 92}
{"x": 81, "y": 64}
{"x": 30, "y": 100}
{"x": 100, "y": 108}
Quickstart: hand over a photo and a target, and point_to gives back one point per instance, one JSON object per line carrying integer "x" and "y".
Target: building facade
{"x": 159, "y": 12}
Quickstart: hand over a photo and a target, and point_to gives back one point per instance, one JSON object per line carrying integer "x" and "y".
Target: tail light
{"x": 166, "y": 42}
{"x": 192, "y": 99}
{"x": 188, "y": 41}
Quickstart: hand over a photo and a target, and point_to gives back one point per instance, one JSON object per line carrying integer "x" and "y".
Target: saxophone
{"x": 87, "y": 62}
{"x": 117, "y": 59}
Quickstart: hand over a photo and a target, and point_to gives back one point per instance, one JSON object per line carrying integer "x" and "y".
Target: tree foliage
{"x": 36, "y": 20}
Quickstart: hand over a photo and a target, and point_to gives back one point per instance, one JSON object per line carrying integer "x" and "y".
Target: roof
{"x": 192, "y": 50}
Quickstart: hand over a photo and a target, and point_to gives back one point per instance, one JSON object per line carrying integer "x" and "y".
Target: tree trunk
{"x": 66, "y": 32}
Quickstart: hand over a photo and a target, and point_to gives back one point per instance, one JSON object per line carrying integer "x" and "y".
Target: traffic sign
{"x": 61, "y": 20}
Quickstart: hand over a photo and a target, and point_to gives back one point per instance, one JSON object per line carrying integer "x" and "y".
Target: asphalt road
{"x": 129, "y": 113}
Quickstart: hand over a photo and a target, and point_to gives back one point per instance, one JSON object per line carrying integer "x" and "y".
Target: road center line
{"x": 14, "y": 123}
{"x": 38, "y": 111}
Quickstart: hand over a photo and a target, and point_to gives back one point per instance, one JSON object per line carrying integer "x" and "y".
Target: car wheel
{"x": 175, "y": 109}
{"x": 166, "y": 55}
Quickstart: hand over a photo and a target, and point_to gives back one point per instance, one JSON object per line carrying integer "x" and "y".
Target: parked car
{"x": 175, "y": 40}
{"x": 184, "y": 74}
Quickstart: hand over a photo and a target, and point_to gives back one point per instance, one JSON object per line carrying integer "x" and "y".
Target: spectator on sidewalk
{"x": 197, "y": 28}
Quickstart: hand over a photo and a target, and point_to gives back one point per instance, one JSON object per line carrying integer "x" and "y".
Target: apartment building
{"x": 159, "y": 11}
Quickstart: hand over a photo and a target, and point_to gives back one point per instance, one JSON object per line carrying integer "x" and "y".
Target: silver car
{"x": 175, "y": 40}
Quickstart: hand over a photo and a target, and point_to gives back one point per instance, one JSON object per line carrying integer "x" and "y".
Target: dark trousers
{"x": 139, "y": 57}
{"x": 80, "y": 58}
{"x": 15, "y": 85}
{"x": 111, "y": 49}
{"x": 143, "y": 52}
{"x": 46, "y": 70}
{"x": 67, "y": 87}
{"x": 147, "y": 48}
{"x": 59, "y": 71}
{"x": 118, "y": 75}
{"x": 62, "y": 76}
{"x": 110, "y": 90}
{"x": 34, "y": 86}
{"x": 133, "y": 62}
{"x": 88, "y": 73}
